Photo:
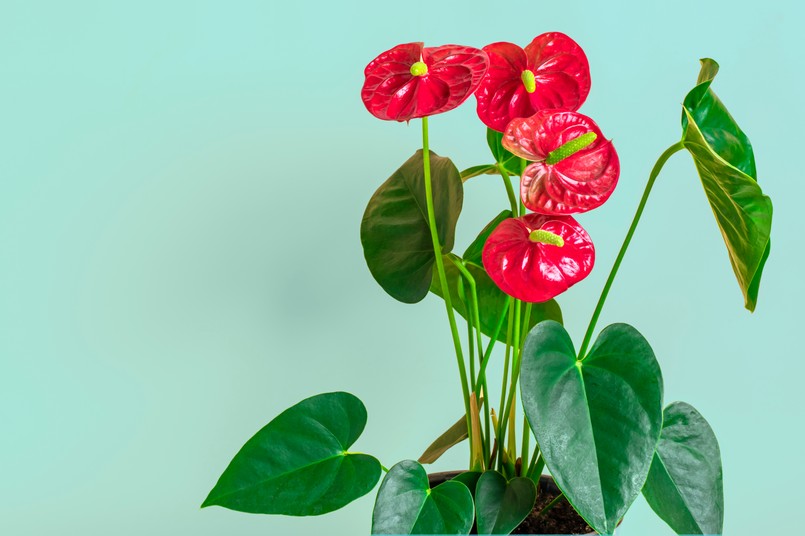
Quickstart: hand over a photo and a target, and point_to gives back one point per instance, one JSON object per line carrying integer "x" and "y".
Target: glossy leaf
{"x": 299, "y": 463}
{"x": 579, "y": 180}
{"x": 536, "y": 270}
{"x": 725, "y": 162}
{"x": 500, "y": 505}
{"x": 491, "y": 301}
{"x": 469, "y": 479}
{"x": 559, "y": 72}
{"x": 684, "y": 485}
{"x": 407, "y": 505}
{"x": 597, "y": 421}
{"x": 447, "y": 76}
{"x": 395, "y": 234}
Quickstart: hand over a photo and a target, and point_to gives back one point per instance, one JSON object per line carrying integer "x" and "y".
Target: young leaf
{"x": 395, "y": 234}
{"x": 474, "y": 171}
{"x": 407, "y": 505}
{"x": 500, "y": 505}
{"x": 474, "y": 252}
{"x": 513, "y": 165}
{"x": 726, "y": 165}
{"x": 597, "y": 421}
{"x": 684, "y": 485}
{"x": 298, "y": 463}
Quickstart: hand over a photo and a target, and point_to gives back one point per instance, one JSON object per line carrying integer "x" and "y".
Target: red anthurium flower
{"x": 411, "y": 81}
{"x": 552, "y": 72}
{"x": 536, "y": 257}
{"x": 575, "y": 168}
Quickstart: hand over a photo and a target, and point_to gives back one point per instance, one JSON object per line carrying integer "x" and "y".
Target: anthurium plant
{"x": 594, "y": 417}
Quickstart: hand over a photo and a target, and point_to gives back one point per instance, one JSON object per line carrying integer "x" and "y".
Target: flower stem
{"x": 652, "y": 177}
{"x": 509, "y": 190}
{"x": 551, "y": 504}
{"x": 437, "y": 250}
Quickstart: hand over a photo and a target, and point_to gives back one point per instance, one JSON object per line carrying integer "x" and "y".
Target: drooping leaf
{"x": 684, "y": 485}
{"x": 395, "y": 233}
{"x": 597, "y": 421}
{"x": 451, "y": 437}
{"x": 513, "y": 165}
{"x": 491, "y": 300}
{"x": 407, "y": 505}
{"x": 298, "y": 464}
{"x": 500, "y": 505}
{"x": 726, "y": 165}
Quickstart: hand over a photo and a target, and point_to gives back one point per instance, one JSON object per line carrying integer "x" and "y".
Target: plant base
{"x": 560, "y": 519}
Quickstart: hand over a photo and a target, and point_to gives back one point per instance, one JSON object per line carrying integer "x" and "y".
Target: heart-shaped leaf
{"x": 407, "y": 505}
{"x": 726, "y": 165}
{"x": 684, "y": 485}
{"x": 597, "y": 421}
{"x": 395, "y": 234}
{"x": 500, "y": 505}
{"x": 298, "y": 463}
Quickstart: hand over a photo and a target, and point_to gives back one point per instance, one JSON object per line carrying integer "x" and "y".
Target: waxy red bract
{"x": 561, "y": 79}
{"x": 580, "y": 182}
{"x": 533, "y": 271}
{"x": 392, "y": 92}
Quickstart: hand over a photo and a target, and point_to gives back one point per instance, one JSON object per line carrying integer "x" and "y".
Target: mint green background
{"x": 181, "y": 187}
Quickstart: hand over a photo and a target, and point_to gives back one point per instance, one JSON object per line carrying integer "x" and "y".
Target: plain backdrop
{"x": 181, "y": 189}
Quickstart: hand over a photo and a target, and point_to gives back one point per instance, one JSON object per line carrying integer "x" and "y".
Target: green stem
{"x": 652, "y": 177}
{"x": 515, "y": 373}
{"x": 476, "y": 319}
{"x": 551, "y": 504}
{"x": 437, "y": 250}
{"x": 491, "y": 345}
{"x": 509, "y": 190}
{"x": 525, "y": 447}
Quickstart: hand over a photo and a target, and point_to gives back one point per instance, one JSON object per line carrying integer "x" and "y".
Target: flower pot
{"x": 560, "y": 519}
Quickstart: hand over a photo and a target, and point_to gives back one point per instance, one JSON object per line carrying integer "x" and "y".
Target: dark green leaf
{"x": 407, "y": 505}
{"x": 491, "y": 300}
{"x": 395, "y": 234}
{"x": 453, "y": 436}
{"x": 298, "y": 463}
{"x": 726, "y": 165}
{"x": 474, "y": 171}
{"x": 514, "y": 165}
{"x": 469, "y": 479}
{"x": 474, "y": 253}
{"x": 500, "y": 505}
{"x": 597, "y": 421}
{"x": 684, "y": 486}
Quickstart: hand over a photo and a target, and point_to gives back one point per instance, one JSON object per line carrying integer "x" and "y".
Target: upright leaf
{"x": 395, "y": 233}
{"x": 726, "y": 165}
{"x": 684, "y": 485}
{"x": 514, "y": 165}
{"x": 298, "y": 464}
{"x": 597, "y": 421}
{"x": 407, "y": 505}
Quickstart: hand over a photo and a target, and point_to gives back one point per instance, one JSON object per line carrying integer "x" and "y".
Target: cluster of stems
{"x": 493, "y": 440}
